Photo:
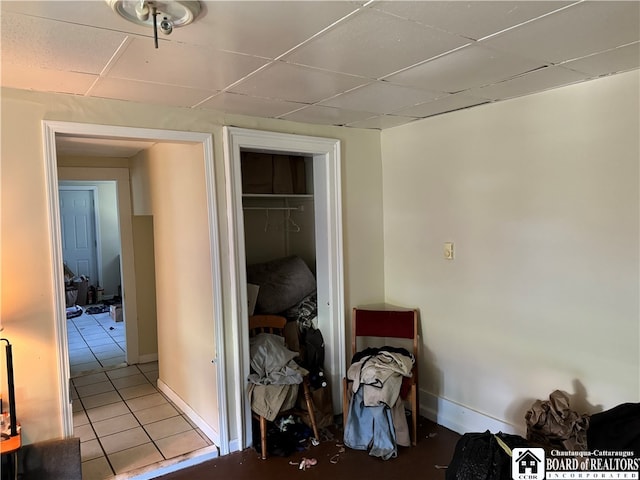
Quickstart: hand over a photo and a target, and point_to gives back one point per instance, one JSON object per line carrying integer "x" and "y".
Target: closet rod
{"x": 299, "y": 209}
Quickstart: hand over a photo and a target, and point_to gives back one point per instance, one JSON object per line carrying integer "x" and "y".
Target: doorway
{"x": 91, "y": 250}
{"x": 325, "y": 157}
{"x": 212, "y": 423}
{"x": 80, "y": 239}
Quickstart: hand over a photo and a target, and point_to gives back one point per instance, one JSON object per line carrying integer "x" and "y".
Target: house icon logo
{"x": 527, "y": 464}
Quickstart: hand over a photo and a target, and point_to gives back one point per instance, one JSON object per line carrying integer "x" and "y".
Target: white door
{"x": 77, "y": 215}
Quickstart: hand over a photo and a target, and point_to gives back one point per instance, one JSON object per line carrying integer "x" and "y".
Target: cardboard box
{"x": 116, "y": 312}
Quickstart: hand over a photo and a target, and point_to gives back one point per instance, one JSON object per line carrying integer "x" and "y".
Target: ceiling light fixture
{"x": 172, "y": 13}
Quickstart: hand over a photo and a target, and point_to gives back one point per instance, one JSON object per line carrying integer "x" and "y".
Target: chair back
{"x": 384, "y": 323}
{"x": 266, "y": 324}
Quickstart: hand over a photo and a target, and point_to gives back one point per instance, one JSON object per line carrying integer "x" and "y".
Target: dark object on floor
{"x": 479, "y": 456}
{"x": 73, "y": 312}
{"x": 116, "y": 300}
{"x": 284, "y": 437}
{"x": 97, "y": 309}
{"x": 616, "y": 429}
{"x": 552, "y": 423}
{"x": 51, "y": 460}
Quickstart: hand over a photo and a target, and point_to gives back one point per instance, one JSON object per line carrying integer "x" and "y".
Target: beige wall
{"x": 177, "y": 199}
{"x": 144, "y": 254}
{"x": 541, "y": 197}
{"x": 27, "y": 294}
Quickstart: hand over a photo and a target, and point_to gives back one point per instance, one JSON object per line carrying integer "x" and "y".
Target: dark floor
{"x": 426, "y": 461}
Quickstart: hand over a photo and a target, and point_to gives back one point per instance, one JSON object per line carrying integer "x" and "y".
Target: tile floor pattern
{"x": 95, "y": 342}
{"x": 121, "y": 418}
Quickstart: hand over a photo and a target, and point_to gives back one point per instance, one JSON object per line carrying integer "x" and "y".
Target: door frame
{"x": 328, "y": 218}
{"x": 50, "y": 130}
{"x": 96, "y": 220}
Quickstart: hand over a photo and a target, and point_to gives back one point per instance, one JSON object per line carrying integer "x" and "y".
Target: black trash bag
{"x": 312, "y": 344}
{"x": 479, "y": 456}
{"x": 616, "y": 429}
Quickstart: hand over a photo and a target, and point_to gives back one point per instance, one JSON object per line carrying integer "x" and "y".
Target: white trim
{"x": 57, "y": 285}
{"x": 216, "y": 274}
{"x": 328, "y": 208}
{"x": 50, "y": 129}
{"x": 189, "y": 412}
{"x": 462, "y": 419}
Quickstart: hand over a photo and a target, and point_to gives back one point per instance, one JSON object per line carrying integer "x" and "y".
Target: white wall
{"x": 541, "y": 197}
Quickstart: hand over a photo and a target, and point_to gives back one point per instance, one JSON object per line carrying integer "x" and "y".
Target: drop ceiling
{"x": 375, "y": 64}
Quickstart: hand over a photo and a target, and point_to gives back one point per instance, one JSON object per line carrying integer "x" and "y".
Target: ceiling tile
{"x": 577, "y": 31}
{"x": 442, "y": 105}
{"x": 96, "y": 13}
{"x": 470, "y": 19}
{"x": 146, "y": 92}
{"x": 617, "y": 60}
{"x": 376, "y": 63}
{"x": 465, "y": 68}
{"x": 380, "y": 97}
{"x": 381, "y": 122}
{"x": 295, "y": 83}
{"x": 373, "y": 44}
{"x": 180, "y": 64}
{"x": 245, "y": 105}
{"x": 326, "y": 115}
{"x": 38, "y": 42}
{"x": 533, "y": 82}
{"x": 44, "y": 80}
{"x": 266, "y": 29}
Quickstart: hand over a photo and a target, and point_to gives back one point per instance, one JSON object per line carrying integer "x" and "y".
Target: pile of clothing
{"x": 376, "y": 418}
{"x": 275, "y": 376}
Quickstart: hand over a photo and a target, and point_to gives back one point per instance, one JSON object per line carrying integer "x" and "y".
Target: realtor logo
{"x": 527, "y": 464}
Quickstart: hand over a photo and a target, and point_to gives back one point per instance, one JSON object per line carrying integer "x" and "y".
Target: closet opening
{"x": 286, "y": 243}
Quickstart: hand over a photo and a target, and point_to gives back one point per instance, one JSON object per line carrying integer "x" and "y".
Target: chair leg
{"x": 414, "y": 414}
{"x": 263, "y": 437}
{"x": 310, "y": 409}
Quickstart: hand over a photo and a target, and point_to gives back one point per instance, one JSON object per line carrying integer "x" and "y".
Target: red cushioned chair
{"x": 387, "y": 321}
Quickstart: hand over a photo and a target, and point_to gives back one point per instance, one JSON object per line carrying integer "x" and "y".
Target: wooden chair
{"x": 386, "y": 321}
{"x": 275, "y": 324}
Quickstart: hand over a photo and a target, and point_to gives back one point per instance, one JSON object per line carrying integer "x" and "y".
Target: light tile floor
{"x": 95, "y": 342}
{"x": 123, "y": 421}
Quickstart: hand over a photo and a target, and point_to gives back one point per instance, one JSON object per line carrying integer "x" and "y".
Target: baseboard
{"x": 461, "y": 419}
{"x": 234, "y": 446}
{"x": 189, "y": 412}
{"x": 148, "y": 358}
{"x": 172, "y": 465}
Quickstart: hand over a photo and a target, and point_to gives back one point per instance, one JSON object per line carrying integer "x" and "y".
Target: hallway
{"x": 123, "y": 421}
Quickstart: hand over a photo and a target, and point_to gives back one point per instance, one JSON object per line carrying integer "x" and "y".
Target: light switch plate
{"x": 448, "y": 250}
